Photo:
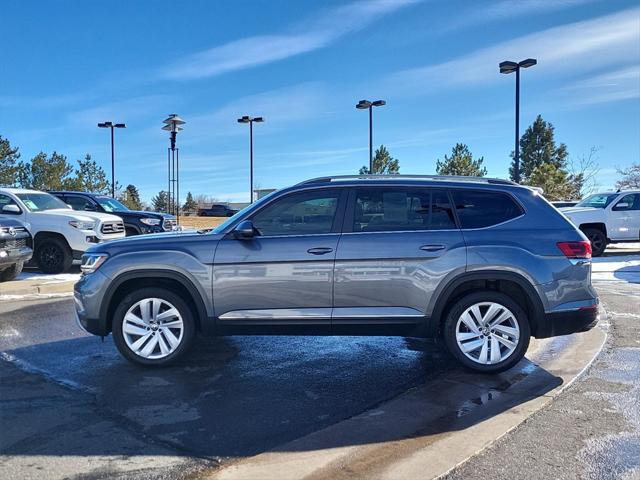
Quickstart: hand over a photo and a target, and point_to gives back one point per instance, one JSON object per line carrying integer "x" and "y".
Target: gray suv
{"x": 484, "y": 263}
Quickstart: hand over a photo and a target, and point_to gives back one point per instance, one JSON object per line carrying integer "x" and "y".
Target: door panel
{"x": 401, "y": 244}
{"x": 624, "y": 221}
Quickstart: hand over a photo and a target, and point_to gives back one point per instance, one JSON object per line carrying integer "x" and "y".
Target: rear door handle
{"x": 432, "y": 248}
{"x": 320, "y": 250}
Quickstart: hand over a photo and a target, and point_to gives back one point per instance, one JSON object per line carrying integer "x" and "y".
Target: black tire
{"x": 598, "y": 240}
{"x": 12, "y": 272}
{"x": 53, "y": 255}
{"x": 174, "y": 299}
{"x": 458, "y": 308}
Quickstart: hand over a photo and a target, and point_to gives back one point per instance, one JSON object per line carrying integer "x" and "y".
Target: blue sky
{"x": 303, "y": 65}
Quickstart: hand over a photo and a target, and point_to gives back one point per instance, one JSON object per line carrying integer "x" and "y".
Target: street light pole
{"x": 172, "y": 125}
{"x": 250, "y": 120}
{"x": 511, "y": 67}
{"x": 111, "y": 125}
{"x": 366, "y": 104}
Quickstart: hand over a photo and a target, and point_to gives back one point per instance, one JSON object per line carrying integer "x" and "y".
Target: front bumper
{"x": 568, "y": 322}
{"x": 12, "y": 256}
{"x": 87, "y": 295}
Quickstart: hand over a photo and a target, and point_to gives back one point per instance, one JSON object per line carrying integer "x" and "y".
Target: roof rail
{"x": 445, "y": 178}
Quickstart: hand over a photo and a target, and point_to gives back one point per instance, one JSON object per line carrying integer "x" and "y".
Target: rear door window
{"x": 395, "y": 209}
{"x": 479, "y": 209}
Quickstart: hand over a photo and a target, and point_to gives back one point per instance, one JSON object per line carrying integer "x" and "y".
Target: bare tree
{"x": 584, "y": 171}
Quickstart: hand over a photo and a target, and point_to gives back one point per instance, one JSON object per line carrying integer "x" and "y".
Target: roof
{"x": 19, "y": 190}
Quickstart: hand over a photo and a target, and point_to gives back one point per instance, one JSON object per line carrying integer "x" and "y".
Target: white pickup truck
{"x": 610, "y": 217}
{"x": 60, "y": 234}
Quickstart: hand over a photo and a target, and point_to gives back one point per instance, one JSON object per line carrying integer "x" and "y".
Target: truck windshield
{"x": 111, "y": 204}
{"x": 599, "y": 200}
{"x": 38, "y": 202}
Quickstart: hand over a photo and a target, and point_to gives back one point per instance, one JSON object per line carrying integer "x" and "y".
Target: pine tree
{"x": 46, "y": 173}
{"x": 160, "y": 203}
{"x": 383, "y": 163}
{"x": 461, "y": 162}
{"x": 91, "y": 177}
{"x": 131, "y": 197}
{"x": 190, "y": 204}
{"x": 538, "y": 146}
{"x": 8, "y": 162}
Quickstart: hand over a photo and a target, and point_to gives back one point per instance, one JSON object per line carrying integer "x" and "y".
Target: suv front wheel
{"x": 153, "y": 326}
{"x": 487, "y": 332}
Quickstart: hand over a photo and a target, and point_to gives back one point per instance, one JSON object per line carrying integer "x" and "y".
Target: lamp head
{"x": 362, "y": 104}
{"x": 508, "y": 67}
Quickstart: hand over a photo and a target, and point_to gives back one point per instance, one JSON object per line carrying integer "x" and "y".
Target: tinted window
{"x": 299, "y": 214}
{"x": 393, "y": 209}
{"x": 632, "y": 200}
{"x": 482, "y": 209}
{"x": 79, "y": 203}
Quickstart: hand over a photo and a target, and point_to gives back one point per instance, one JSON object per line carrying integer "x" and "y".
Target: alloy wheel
{"x": 487, "y": 333}
{"x": 153, "y": 328}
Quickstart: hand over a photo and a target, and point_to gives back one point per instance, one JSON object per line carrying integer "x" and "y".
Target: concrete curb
{"x": 430, "y": 430}
{"x": 22, "y": 288}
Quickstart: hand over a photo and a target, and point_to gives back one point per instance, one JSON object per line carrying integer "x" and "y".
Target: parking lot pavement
{"x": 71, "y": 404}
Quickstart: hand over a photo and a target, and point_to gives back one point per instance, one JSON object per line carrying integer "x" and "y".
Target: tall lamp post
{"x": 172, "y": 125}
{"x": 506, "y": 68}
{"x": 366, "y": 104}
{"x": 250, "y": 120}
{"x": 112, "y": 125}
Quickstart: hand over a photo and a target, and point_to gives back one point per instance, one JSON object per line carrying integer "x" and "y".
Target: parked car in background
{"x": 217, "y": 210}
{"x": 15, "y": 248}
{"x": 135, "y": 222}
{"x": 60, "y": 235}
{"x": 484, "y": 263}
{"x": 564, "y": 203}
{"x": 609, "y": 217}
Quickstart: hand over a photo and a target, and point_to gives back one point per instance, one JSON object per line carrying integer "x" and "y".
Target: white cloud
{"x": 623, "y": 84}
{"x": 262, "y": 49}
{"x": 565, "y": 50}
{"x": 123, "y": 110}
{"x": 516, "y": 8}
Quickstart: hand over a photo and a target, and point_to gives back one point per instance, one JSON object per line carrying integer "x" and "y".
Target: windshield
{"x": 111, "y": 204}
{"x": 599, "y": 200}
{"x": 38, "y": 202}
{"x": 220, "y": 228}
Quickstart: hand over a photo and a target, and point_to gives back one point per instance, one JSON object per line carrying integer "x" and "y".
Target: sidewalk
{"x": 35, "y": 284}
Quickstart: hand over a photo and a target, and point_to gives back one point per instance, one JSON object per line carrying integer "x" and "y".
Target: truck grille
{"x": 169, "y": 224}
{"x": 14, "y": 243}
{"x": 15, "y": 229}
{"x": 112, "y": 227}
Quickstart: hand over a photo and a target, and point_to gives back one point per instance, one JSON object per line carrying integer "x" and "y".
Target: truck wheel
{"x": 53, "y": 256}
{"x": 153, "y": 327}
{"x": 598, "y": 240}
{"x": 487, "y": 331}
{"x": 12, "y": 272}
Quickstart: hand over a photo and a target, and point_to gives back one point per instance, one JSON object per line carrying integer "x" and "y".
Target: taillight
{"x": 575, "y": 249}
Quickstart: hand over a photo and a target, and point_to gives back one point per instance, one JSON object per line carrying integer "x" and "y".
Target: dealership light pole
{"x": 172, "y": 125}
{"x": 250, "y": 120}
{"x": 112, "y": 125}
{"x": 510, "y": 67}
{"x": 366, "y": 104}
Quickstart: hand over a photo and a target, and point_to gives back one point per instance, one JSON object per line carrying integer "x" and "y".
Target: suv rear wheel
{"x": 487, "y": 331}
{"x": 153, "y": 326}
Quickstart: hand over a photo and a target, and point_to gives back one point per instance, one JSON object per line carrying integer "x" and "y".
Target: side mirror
{"x": 244, "y": 230}
{"x": 11, "y": 209}
{"x": 69, "y": 206}
{"x": 621, "y": 206}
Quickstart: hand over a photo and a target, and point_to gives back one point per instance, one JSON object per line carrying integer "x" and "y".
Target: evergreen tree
{"x": 91, "y": 177}
{"x": 383, "y": 163}
{"x": 556, "y": 183}
{"x": 46, "y": 173}
{"x": 131, "y": 197}
{"x": 461, "y": 162}
{"x": 8, "y": 162}
{"x": 537, "y": 147}
{"x": 160, "y": 203}
{"x": 190, "y": 204}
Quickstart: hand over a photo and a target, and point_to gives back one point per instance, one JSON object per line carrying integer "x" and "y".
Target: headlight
{"x": 82, "y": 225}
{"x": 92, "y": 261}
{"x": 151, "y": 221}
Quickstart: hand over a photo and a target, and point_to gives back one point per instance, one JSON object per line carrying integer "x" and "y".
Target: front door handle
{"x": 320, "y": 250}
{"x": 432, "y": 248}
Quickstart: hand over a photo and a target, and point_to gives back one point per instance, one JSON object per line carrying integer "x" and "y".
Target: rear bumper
{"x": 568, "y": 322}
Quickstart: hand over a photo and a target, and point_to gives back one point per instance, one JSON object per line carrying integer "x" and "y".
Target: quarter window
{"x": 386, "y": 209}
{"x": 478, "y": 209}
{"x": 304, "y": 213}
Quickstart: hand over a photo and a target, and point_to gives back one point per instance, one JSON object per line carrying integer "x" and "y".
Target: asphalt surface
{"x": 70, "y": 403}
{"x": 592, "y": 430}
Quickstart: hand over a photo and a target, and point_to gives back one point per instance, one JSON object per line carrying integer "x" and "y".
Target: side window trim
{"x": 337, "y": 219}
